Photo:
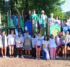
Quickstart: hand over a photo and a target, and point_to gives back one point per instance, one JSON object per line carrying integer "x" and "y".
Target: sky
{"x": 66, "y": 7}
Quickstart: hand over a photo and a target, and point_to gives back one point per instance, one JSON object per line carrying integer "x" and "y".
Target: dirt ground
{"x": 19, "y": 62}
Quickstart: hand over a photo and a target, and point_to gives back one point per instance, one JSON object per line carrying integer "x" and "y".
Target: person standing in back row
{"x": 42, "y": 23}
{"x": 34, "y": 16}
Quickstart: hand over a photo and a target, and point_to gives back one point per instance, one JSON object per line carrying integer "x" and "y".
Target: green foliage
{"x": 49, "y": 6}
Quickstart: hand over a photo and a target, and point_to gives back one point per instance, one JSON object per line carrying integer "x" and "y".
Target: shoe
{"x": 39, "y": 58}
{"x": 2, "y": 56}
{"x": 5, "y": 56}
{"x": 54, "y": 58}
{"x": 57, "y": 56}
{"x": 25, "y": 56}
{"x": 65, "y": 56}
{"x": 33, "y": 57}
{"x": 10, "y": 56}
{"x": 22, "y": 56}
{"x": 36, "y": 58}
{"x": 29, "y": 56}
{"x": 17, "y": 56}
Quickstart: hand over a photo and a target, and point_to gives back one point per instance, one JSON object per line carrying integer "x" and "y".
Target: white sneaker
{"x": 5, "y": 56}
{"x": 36, "y": 58}
{"x": 39, "y": 58}
{"x": 2, "y": 56}
{"x": 17, "y": 56}
{"x": 22, "y": 56}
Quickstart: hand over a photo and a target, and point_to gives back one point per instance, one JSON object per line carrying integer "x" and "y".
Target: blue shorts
{"x": 42, "y": 26}
{"x": 63, "y": 44}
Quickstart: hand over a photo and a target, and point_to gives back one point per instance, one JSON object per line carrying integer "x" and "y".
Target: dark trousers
{"x": 33, "y": 52}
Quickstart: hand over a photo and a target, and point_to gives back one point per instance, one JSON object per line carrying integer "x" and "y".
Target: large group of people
{"x": 40, "y": 22}
{"x": 50, "y": 46}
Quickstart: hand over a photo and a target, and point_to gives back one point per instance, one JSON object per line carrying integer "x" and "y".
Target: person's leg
{"x": 43, "y": 53}
{"x": 41, "y": 31}
{"x": 63, "y": 47}
{"x": 21, "y": 53}
{"x": 57, "y": 51}
{"x": 4, "y": 50}
{"x": 39, "y": 52}
{"x": 36, "y": 52}
{"x": 51, "y": 53}
{"x": 47, "y": 53}
{"x": 17, "y": 51}
{"x": 25, "y": 47}
{"x": 32, "y": 52}
{"x": 65, "y": 50}
{"x": 54, "y": 52}
{"x": 9, "y": 50}
{"x": 29, "y": 48}
{"x": 12, "y": 48}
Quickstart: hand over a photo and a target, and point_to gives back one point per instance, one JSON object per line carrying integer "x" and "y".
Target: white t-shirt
{"x": 38, "y": 41}
{"x": 52, "y": 43}
{"x": 57, "y": 22}
{"x": 68, "y": 22}
{"x": 11, "y": 39}
{"x": 18, "y": 40}
{"x": 46, "y": 43}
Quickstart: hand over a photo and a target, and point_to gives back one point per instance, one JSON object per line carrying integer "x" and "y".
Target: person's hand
{"x": 46, "y": 49}
{"x": 34, "y": 45}
{"x": 49, "y": 24}
{"x": 20, "y": 43}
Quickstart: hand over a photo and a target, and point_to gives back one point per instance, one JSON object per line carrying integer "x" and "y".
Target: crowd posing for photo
{"x": 50, "y": 46}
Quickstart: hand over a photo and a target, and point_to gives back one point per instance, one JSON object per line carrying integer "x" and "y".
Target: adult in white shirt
{"x": 42, "y": 22}
{"x": 51, "y": 20}
{"x": 38, "y": 46}
{"x": 46, "y": 47}
{"x": 57, "y": 22}
{"x": 19, "y": 44}
{"x": 52, "y": 47}
{"x": 11, "y": 43}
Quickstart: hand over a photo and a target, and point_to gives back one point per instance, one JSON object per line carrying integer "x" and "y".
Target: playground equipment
{"x": 54, "y": 29}
{"x": 15, "y": 23}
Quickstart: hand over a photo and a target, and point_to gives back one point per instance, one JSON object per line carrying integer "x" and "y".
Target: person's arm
{"x": 36, "y": 43}
{"x": 66, "y": 41}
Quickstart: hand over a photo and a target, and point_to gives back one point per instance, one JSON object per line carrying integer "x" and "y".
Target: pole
{"x": 18, "y": 19}
{"x": 47, "y": 27}
{"x": 0, "y": 18}
{"x": 61, "y": 24}
{"x": 10, "y": 18}
{"x": 32, "y": 25}
{"x": 7, "y": 23}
